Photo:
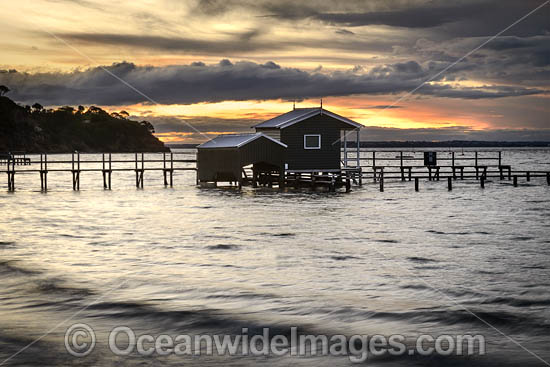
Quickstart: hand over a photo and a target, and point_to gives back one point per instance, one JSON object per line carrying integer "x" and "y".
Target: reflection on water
{"x": 189, "y": 260}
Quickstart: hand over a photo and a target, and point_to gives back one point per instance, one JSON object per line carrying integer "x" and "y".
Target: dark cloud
{"x": 423, "y": 16}
{"x": 242, "y": 42}
{"x": 230, "y": 43}
{"x": 344, "y": 32}
{"x": 186, "y": 84}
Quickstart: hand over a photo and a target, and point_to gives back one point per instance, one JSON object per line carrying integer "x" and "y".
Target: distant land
{"x": 66, "y": 129}
{"x": 426, "y": 144}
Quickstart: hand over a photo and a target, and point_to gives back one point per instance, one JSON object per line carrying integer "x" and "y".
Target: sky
{"x": 406, "y": 70}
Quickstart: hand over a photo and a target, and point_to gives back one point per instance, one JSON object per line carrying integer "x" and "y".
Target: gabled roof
{"x": 235, "y": 140}
{"x": 300, "y": 114}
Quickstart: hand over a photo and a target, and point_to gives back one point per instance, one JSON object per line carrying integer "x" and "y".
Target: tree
{"x": 80, "y": 109}
{"x": 148, "y": 126}
{"x": 3, "y": 90}
{"x": 37, "y": 107}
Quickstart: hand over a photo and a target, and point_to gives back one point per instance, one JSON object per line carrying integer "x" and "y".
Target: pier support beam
{"x": 11, "y": 181}
{"x": 44, "y": 172}
{"x": 139, "y": 171}
{"x": 515, "y": 181}
{"x": 75, "y": 170}
{"x": 450, "y": 183}
{"x": 76, "y": 179}
{"x": 416, "y": 184}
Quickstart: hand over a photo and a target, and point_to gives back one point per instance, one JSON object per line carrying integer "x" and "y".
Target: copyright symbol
{"x": 79, "y": 340}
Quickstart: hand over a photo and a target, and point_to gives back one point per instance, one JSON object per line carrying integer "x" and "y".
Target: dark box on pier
{"x": 430, "y": 158}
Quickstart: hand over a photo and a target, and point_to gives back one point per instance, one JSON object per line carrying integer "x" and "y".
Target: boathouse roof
{"x": 235, "y": 141}
{"x": 300, "y": 114}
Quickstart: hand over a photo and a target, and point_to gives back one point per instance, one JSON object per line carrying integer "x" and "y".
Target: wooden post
{"x": 10, "y": 177}
{"x": 528, "y": 175}
{"x": 482, "y": 181}
{"x": 45, "y": 172}
{"x": 476, "y": 161}
{"x": 104, "y": 171}
{"x": 171, "y": 169}
{"x": 450, "y": 183}
{"x": 345, "y": 149}
{"x": 137, "y": 174}
{"x": 548, "y": 178}
{"x": 110, "y": 171}
{"x": 416, "y": 184}
{"x": 381, "y": 184}
{"x": 453, "y": 162}
{"x": 401, "y": 160}
{"x": 373, "y": 159}
{"x": 515, "y": 181}
{"x": 358, "y": 151}
{"x": 499, "y": 158}
{"x": 254, "y": 178}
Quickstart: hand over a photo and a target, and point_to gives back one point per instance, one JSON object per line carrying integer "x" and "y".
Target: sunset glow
{"x": 216, "y": 67}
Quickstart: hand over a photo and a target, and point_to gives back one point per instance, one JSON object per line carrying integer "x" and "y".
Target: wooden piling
{"x": 515, "y": 181}
{"x": 548, "y": 178}
{"x": 171, "y": 169}
{"x": 416, "y": 184}
{"x": 75, "y": 170}
{"x": 382, "y": 184}
{"x": 11, "y": 174}
{"x": 528, "y": 176}
{"x": 482, "y": 181}
{"x": 450, "y": 183}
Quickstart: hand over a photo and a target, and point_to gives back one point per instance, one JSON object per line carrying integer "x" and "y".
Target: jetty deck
{"x": 365, "y": 166}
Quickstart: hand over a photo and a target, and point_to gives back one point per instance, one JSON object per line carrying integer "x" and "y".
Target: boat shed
{"x": 314, "y": 137}
{"x": 223, "y": 158}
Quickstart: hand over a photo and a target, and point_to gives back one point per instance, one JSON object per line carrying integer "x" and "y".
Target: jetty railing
{"x": 379, "y": 165}
{"x": 406, "y": 164}
{"x": 104, "y": 163}
{"x": 452, "y": 165}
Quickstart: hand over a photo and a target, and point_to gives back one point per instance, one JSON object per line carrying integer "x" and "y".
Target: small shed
{"x": 314, "y": 138}
{"x": 223, "y": 158}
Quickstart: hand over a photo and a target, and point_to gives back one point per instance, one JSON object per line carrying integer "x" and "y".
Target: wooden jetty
{"x": 107, "y": 165}
{"x": 357, "y": 167}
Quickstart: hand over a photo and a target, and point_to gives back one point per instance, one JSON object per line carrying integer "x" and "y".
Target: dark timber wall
{"x": 328, "y": 157}
{"x": 224, "y": 164}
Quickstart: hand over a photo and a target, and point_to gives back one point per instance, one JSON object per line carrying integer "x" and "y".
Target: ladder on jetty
{"x": 376, "y": 166}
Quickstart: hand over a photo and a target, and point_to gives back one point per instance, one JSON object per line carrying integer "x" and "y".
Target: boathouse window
{"x": 312, "y": 141}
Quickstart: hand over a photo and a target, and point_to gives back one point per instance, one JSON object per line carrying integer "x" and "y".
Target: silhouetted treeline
{"x": 34, "y": 129}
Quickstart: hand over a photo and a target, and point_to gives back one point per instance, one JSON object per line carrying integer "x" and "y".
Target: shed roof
{"x": 235, "y": 141}
{"x": 300, "y": 114}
